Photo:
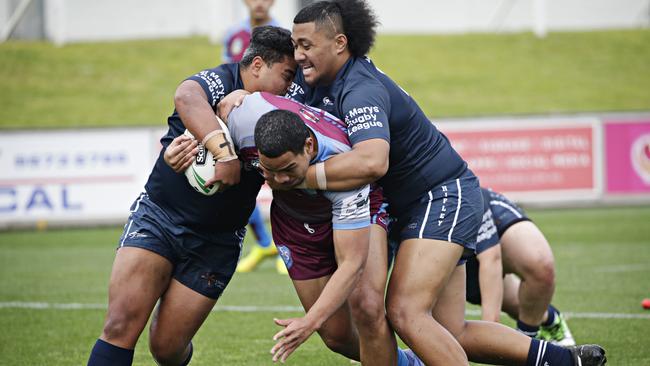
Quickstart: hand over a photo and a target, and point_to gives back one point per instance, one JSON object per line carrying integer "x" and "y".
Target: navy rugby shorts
{"x": 450, "y": 212}
{"x": 505, "y": 213}
{"x": 502, "y": 214}
{"x": 204, "y": 262}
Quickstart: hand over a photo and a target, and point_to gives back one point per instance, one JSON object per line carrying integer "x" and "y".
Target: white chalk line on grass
{"x": 624, "y": 268}
{"x": 275, "y": 309}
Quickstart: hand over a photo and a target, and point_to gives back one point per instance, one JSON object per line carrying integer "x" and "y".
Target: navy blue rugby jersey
{"x": 374, "y": 106}
{"x": 223, "y": 211}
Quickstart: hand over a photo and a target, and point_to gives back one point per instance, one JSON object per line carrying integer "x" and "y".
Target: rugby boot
{"x": 557, "y": 333}
{"x": 256, "y": 255}
{"x": 588, "y": 355}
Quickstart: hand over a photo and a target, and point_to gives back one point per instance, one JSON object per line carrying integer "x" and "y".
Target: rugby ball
{"x": 201, "y": 170}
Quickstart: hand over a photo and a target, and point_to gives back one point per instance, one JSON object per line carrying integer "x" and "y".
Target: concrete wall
{"x": 78, "y": 20}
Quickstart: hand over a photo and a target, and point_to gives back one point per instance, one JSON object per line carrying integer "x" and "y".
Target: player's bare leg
{"x": 177, "y": 319}
{"x": 338, "y": 333}
{"x": 421, "y": 271}
{"x": 510, "y": 303}
{"x": 138, "y": 279}
{"x": 527, "y": 253}
{"x": 377, "y": 340}
{"x": 485, "y": 342}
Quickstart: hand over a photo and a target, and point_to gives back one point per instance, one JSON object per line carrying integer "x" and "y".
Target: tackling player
{"x": 508, "y": 242}
{"x": 435, "y": 198}
{"x": 314, "y": 230}
{"x": 180, "y": 248}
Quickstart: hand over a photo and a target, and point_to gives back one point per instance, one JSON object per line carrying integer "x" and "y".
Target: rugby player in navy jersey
{"x": 180, "y": 248}
{"x": 317, "y": 233}
{"x": 434, "y": 197}
{"x": 508, "y": 242}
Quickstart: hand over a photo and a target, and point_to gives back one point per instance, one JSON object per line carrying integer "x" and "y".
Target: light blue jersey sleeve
{"x": 350, "y": 209}
{"x": 243, "y": 119}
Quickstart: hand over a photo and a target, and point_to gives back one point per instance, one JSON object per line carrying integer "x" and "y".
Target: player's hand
{"x": 227, "y": 173}
{"x": 295, "y": 332}
{"x": 229, "y": 102}
{"x": 180, "y": 153}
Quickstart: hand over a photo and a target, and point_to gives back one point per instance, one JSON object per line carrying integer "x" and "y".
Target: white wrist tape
{"x": 321, "y": 179}
{"x": 220, "y": 143}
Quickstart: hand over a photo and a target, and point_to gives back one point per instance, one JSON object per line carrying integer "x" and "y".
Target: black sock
{"x": 542, "y": 353}
{"x": 552, "y": 312}
{"x": 106, "y": 354}
{"x": 529, "y": 330}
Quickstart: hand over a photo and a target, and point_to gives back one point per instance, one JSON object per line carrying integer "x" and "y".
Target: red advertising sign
{"x": 543, "y": 156}
{"x": 627, "y": 157}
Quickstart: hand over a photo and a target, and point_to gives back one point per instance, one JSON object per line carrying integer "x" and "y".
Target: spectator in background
{"x": 237, "y": 39}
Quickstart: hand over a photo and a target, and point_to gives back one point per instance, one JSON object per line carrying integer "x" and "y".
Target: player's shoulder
{"x": 361, "y": 79}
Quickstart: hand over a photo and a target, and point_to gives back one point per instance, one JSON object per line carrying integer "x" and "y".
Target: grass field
{"x": 603, "y": 266}
{"x": 132, "y": 83}
{"x": 53, "y": 284}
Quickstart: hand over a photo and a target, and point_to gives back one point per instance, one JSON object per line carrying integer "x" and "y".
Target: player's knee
{"x": 368, "y": 311}
{"x": 166, "y": 352}
{"x": 120, "y": 326}
{"x": 544, "y": 273}
{"x": 399, "y": 314}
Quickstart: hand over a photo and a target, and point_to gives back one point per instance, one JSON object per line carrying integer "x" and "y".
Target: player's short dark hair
{"x": 354, "y": 18}
{"x": 271, "y": 43}
{"x": 279, "y": 131}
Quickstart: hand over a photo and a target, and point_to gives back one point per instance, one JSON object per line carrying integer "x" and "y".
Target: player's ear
{"x": 309, "y": 145}
{"x": 256, "y": 66}
{"x": 340, "y": 43}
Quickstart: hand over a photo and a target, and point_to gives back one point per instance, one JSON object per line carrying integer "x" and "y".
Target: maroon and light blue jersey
{"x": 237, "y": 39}
{"x": 373, "y": 106}
{"x": 225, "y": 211}
{"x": 346, "y": 210}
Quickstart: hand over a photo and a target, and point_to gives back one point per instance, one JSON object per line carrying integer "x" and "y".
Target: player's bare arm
{"x": 198, "y": 117}
{"x": 491, "y": 283}
{"x": 351, "y": 248}
{"x": 364, "y": 164}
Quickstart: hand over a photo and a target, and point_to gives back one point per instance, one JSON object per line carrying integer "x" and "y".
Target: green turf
{"x": 132, "y": 83}
{"x": 602, "y": 257}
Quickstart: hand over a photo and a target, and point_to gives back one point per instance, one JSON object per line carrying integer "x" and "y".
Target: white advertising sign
{"x": 72, "y": 175}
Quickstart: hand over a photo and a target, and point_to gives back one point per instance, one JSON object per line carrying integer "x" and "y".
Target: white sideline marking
{"x": 624, "y": 268}
{"x": 276, "y": 309}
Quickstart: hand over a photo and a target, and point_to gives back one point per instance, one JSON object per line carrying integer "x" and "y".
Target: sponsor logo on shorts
{"x": 136, "y": 234}
{"x": 443, "y": 209}
{"x": 285, "y": 254}
{"x": 487, "y": 229}
{"x": 212, "y": 280}
{"x": 309, "y": 229}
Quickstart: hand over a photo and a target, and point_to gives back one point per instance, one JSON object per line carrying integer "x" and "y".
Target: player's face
{"x": 259, "y": 9}
{"x": 286, "y": 171}
{"x": 278, "y": 77}
{"x": 316, "y": 54}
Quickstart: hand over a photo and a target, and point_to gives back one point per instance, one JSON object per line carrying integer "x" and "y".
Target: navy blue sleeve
{"x": 366, "y": 107}
{"x": 212, "y": 83}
